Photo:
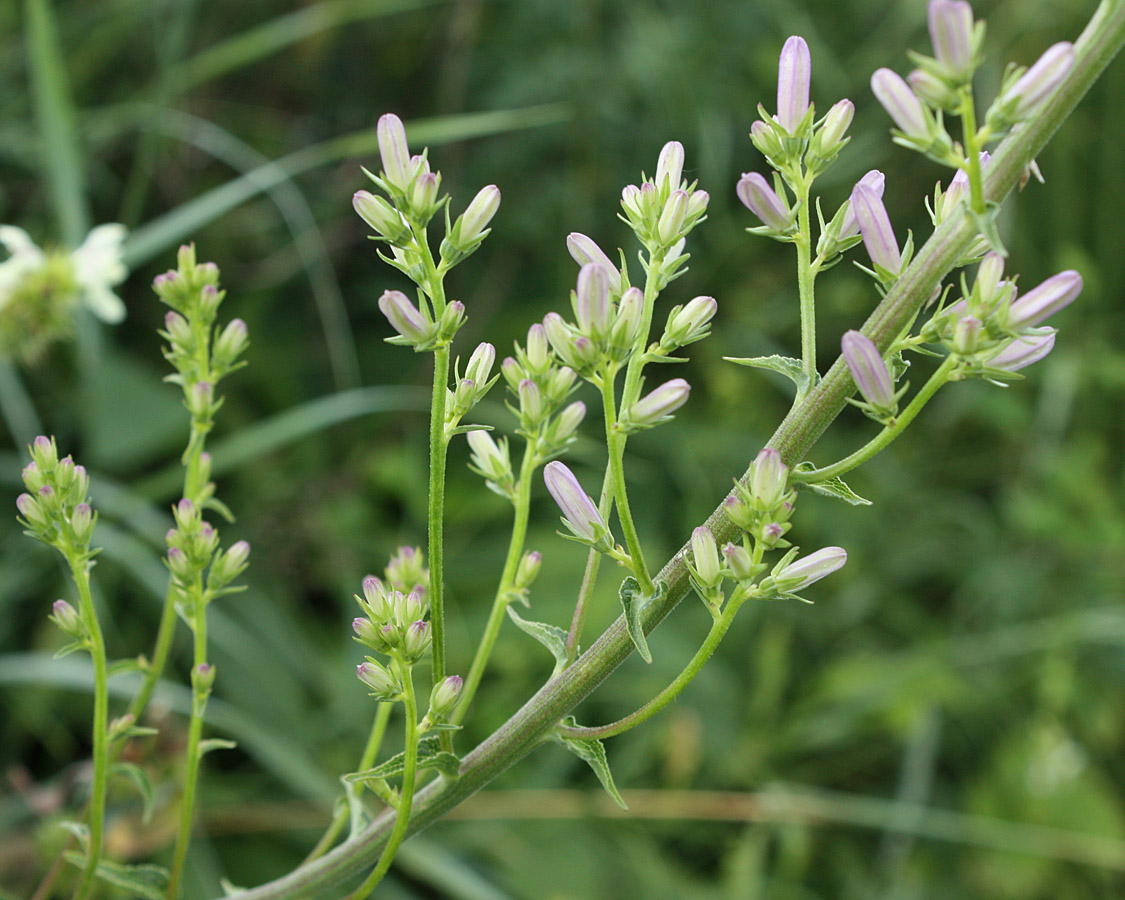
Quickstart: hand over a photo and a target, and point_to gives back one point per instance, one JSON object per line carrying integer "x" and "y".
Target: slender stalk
{"x": 616, "y": 441}
{"x": 806, "y": 278}
{"x": 889, "y": 432}
{"x": 366, "y": 761}
{"x": 199, "y": 694}
{"x": 406, "y": 796}
{"x": 540, "y": 715}
{"x": 80, "y": 569}
{"x": 589, "y": 577}
{"x": 435, "y": 516}
{"x": 972, "y": 148}
{"x": 719, "y": 628}
{"x": 504, "y": 592}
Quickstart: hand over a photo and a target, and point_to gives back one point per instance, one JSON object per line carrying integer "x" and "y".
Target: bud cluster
{"x": 393, "y": 625}
{"x": 55, "y": 508}
{"x": 193, "y": 546}
{"x": 762, "y": 504}
{"x": 792, "y": 574}
{"x": 539, "y": 388}
{"x": 471, "y": 385}
{"x": 663, "y": 210}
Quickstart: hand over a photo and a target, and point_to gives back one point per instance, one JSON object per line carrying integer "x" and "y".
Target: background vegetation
{"x": 946, "y": 721}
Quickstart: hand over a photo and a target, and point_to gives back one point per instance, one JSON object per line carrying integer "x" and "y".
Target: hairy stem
{"x": 805, "y": 281}
{"x": 435, "y": 530}
{"x": 615, "y": 438}
{"x": 972, "y": 148}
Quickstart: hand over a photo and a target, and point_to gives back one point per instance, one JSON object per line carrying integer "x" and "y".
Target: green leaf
{"x": 830, "y": 487}
{"x": 793, "y": 369}
{"x": 146, "y": 881}
{"x": 215, "y": 744}
{"x": 72, "y": 647}
{"x": 635, "y": 603}
{"x": 550, "y": 636}
{"x": 79, "y": 830}
{"x": 592, "y": 752}
{"x": 122, "y": 666}
{"x": 430, "y": 756}
{"x": 142, "y": 783}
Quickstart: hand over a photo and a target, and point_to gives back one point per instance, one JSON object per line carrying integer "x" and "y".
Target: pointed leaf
{"x": 142, "y": 783}
{"x": 635, "y": 603}
{"x": 550, "y": 636}
{"x": 592, "y": 752}
{"x": 787, "y": 366}
{"x": 147, "y": 882}
{"x": 215, "y": 744}
{"x": 830, "y": 487}
{"x": 72, "y": 647}
{"x": 430, "y": 756}
{"x": 122, "y": 666}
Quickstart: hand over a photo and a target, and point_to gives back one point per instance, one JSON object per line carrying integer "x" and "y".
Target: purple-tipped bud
{"x": 443, "y": 697}
{"x": 394, "y": 151}
{"x": 766, "y": 140}
{"x": 231, "y": 342}
{"x": 367, "y": 632}
{"x": 479, "y": 213}
{"x": 528, "y": 569}
{"x": 44, "y": 454}
{"x": 671, "y": 221}
{"x": 179, "y": 564}
{"x": 1023, "y": 351}
{"x": 868, "y": 370}
{"x": 382, "y": 683}
{"x": 177, "y": 328}
{"x": 512, "y": 372}
{"x": 32, "y": 510}
{"x": 405, "y": 317}
{"x": 875, "y": 226}
{"x": 769, "y": 478}
{"x": 203, "y": 677}
{"x": 989, "y": 273}
{"x": 185, "y": 514}
{"x": 567, "y": 422}
{"x": 416, "y": 640}
{"x": 538, "y": 349}
{"x": 836, "y": 124}
{"x": 772, "y": 533}
{"x": 1045, "y": 300}
{"x": 410, "y": 607}
{"x": 479, "y": 369}
{"x": 200, "y": 399}
{"x": 452, "y": 318}
{"x": 762, "y": 200}
{"x": 659, "y": 404}
{"x": 812, "y": 568}
{"x": 901, "y": 104}
{"x": 951, "y": 33}
{"x": 670, "y": 165}
{"x": 873, "y": 180}
{"x": 82, "y": 522}
{"x": 705, "y": 558}
{"x": 583, "y": 250}
{"x": 379, "y": 214}
{"x": 794, "y": 72}
{"x": 561, "y": 338}
{"x": 1040, "y": 81}
{"x": 532, "y": 407}
{"x": 424, "y": 194}
{"x": 739, "y": 511}
{"x": 738, "y": 561}
{"x": 690, "y": 322}
{"x": 374, "y": 596}
{"x": 578, "y": 509}
{"x": 966, "y": 335}
{"x": 591, "y": 302}
{"x": 66, "y": 617}
{"x": 405, "y": 570}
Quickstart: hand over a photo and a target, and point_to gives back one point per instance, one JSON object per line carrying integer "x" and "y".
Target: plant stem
{"x": 80, "y": 570}
{"x": 507, "y": 580}
{"x": 406, "y": 796}
{"x": 802, "y": 427}
{"x": 805, "y": 286}
{"x": 889, "y": 432}
{"x": 589, "y": 576}
{"x": 199, "y": 694}
{"x": 366, "y": 761}
{"x": 719, "y": 628}
{"x": 615, "y": 438}
{"x": 972, "y": 148}
{"x": 436, "y": 511}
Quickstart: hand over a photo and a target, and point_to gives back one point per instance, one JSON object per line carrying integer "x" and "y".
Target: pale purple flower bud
{"x": 367, "y": 632}
{"x": 528, "y": 569}
{"x": 44, "y": 453}
{"x": 769, "y": 478}
{"x": 67, "y": 618}
{"x": 585, "y": 351}
{"x": 875, "y": 226}
{"x": 761, "y": 199}
{"x": 374, "y": 594}
{"x": 794, "y": 72}
{"x": 177, "y": 328}
{"x": 568, "y": 421}
{"x": 209, "y": 299}
{"x": 631, "y": 198}
{"x": 900, "y": 103}
{"x": 480, "y": 364}
{"x": 452, "y": 318}
{"x": 627, "y": 323}
{"x": 32, "y": 477}
{"x": 538, "y": 348}
{"x": 532, "y": 407}
{"x": 393, "y": 150}
{"x": 591, "y": 302}
{"x": 951, "y": 32}
{"x": 739, "y": 561}
{"x": 489, "y": 457}
{"x": 405, "y": 570}
{"x": 512, "y": 372}
{"x": 376, "y": 677}
{"x": 200, "y": 399}
{"x": 813, "y": 567}
{"x": 410, "y": 607}
{"x": 764, "y": 138}
{"x": 873, "y": 180}
{"x": 670, "y": 165}
{"x": 1023, "y": 351}
{"x": 32, "y": 510}
{"x": 82, "y": 522}
{"x": 416, "y": 640}
{"x": 772, "y": 533}
{"x": 560, "y": 336}
{"x": 425, "y": 191}
{"x": 1045, "y": 300}
{"x": 932, "y": 89}
{"x": 379, "y": 214}
{"x": 578, "y": 509}
{"x": 444, "y": 697}
{"x": 231, "y": 342}
{"x": 660, "y": 403}
{"x": 179, "y": 564}
{"x": 405, "y": 317}
{"x": 966, "y": 335}
{"x": 184, "y": 513}
{"x": 868, "y": 370}
{"x": 835, "y": 126}
{"x": 690, "y": 322}
{"x": 232, "y": 563}
{"x": 203, "y": 677}
{"x": 559, "y": 385}
{"x": 739, "y": 511}
{"x": 479, "y": 213}
{"x": 705, "y": 558}
{"x": 697, "y": 205}
{"x": 1038, "y": 82}
{"x": 671, "y": 220}
{"x": 989, "y": 273}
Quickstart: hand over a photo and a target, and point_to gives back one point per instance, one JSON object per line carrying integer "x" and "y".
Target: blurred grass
{"x": 963, "y": 669}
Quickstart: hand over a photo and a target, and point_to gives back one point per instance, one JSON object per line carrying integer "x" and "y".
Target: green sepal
{"x": 793, "y": 369}
{"x": 215, "y": 744}
{"x": 986, "y": 224}
{"x": 550, "y": 636}
{"x": 634, "y": 604}
{"x": 122, "y": 666}
{"x": 592, "y": 752}
{"x": 147, "y": 882}
{"x": 72, "y": 647}
{"x": 464, "y": 429}
{"x": 142, "y": 783}
{"x": 830, "y": 487}
{"x": 221, "y": 508}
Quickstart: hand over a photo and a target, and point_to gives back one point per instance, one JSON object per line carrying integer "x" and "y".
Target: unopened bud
{"x": 383, "y": 684}
{"x": 66, "y": 617}
{"x": 443, "y": 697}
{"x": 705, "y": 558}
{"x": 393, "y": 150}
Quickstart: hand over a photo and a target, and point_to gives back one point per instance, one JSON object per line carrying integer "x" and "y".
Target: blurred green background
{"x": 946, "y": 721}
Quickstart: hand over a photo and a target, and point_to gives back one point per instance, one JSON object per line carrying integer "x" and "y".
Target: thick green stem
{"x": 892, "y": 430}
{"x": 805, "y": 288}
{"x": 540, "y": 715}
{"x": 200, "y": 690}
{"x": 504, "y": 591}
{"x": 615, "y": 438}
{"x": 406, "y": 795}
{"x": 719, "y": 628}
{"x": 80, "y": 569}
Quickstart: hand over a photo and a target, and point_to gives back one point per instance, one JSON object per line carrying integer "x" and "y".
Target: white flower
{"x": 23, "y": 257}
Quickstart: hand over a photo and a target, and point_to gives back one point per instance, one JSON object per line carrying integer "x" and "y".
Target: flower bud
{"x": 416, "y": 641}
{"x": 739, "y": 562}
{"x": 179, "y": 564}
{"x": 489, "y": 458}
{"x": 627, "y": 323}
{"x": 538, "y": 349}
{"x": 869, "y": 371}
{"x": 406, "y": 569}
{"x": 32, "y": 511}
{"x": 836, "y": 124}
{"x": 82, "y": 523}
{"x": 203, "y": 677}
{"x": 44, "y": 454}
{"x": 561, "y": 338}
{"x": 659, "y": 404}
{"x": 478, "y": 214}
{"x": 584, "y": 251}
{"x": 383, "y": 684}
{"x": 394, "y": 151}
{"x": 761, "y": 199}
{"x": 201, "y": 399}
{"x": 532, "y": 408}
{"x": 875, "y": 226}
{"x": 423, "y": 196}
{"x": 875, "y": 181}
{"x": 186, "y": 516}
{"x": 966, "y": 335}
{"x": 794, "y": 72}
{"x": 381, "y": 216}
{"x": 1023, "y": 351}
{"x": 933, "y": 90}
{"x": 670, "y": 166}
{"x": 671, "y": 221}
{"x": 690, "y": 323}
{"x": 811, "y": 568}
{"x": 567, "y": 422}
{"x": 559, "y": 385}
{"x": 512, "y": 371}
{"x": 705, "y": 558}
{"x": 951, "y": 33}
{"x": 230, "y": 343}
{"x": 443, "y": 697}
{"x": 209, "y": 299}
{"x": 1040, "y": 81}
{"x": 1045, "y": 300}
{"x": 579, "y": 512}
{"x": 591, "y": 301}
{"x": 696, "y": 206}
{"x": 769, "y": 478}
{"x": 901, "y": 104}
{"x": 66, "y": 617}
{"x": 177, "y": 329}
{"x": 405, "y": 317}
{"x": 410, "y": 607}
{"x": 231, "y": 564}
{"x": 479, "y": 369}
{"x": 989, "y": 273}
{"x": 367, "y": 632}
{"x": 528, "y": 569}
{"x": 766, "y": 140}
